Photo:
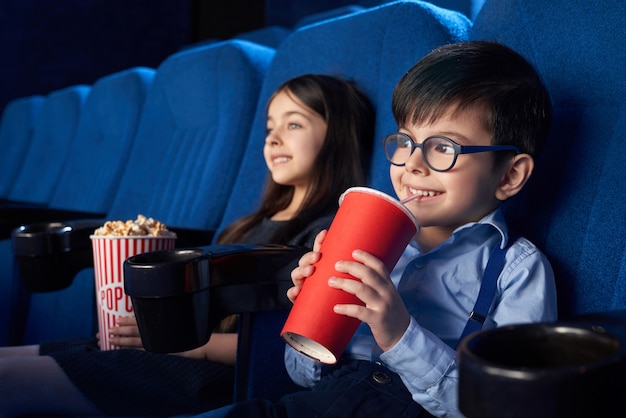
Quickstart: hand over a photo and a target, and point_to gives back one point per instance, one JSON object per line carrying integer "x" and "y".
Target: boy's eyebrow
{"x": 452, "y": 134}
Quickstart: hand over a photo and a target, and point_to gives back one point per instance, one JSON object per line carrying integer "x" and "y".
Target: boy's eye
{"x": 443, "y": 147}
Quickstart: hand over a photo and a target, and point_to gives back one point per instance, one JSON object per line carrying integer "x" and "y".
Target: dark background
{"x": 50, "y": 44}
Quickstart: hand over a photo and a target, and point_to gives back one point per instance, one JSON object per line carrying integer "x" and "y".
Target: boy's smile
{"x": 452, "y": 198}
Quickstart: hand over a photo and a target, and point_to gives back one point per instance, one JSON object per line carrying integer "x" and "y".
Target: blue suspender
{"x": 487, "y": 289}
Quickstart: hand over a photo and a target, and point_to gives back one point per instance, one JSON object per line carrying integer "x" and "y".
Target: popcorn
{"x": 142, "y": 226}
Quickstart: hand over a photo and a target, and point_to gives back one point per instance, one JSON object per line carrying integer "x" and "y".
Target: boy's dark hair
{"x": 516, "y": 103}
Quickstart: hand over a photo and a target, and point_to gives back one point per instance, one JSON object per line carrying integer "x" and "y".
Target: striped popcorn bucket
{"x": 109, "y": 253}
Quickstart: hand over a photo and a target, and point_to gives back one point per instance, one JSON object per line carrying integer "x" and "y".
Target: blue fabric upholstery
{"x": 53, "y": 134}
{"x": 374, "y": 48}
{"x": 89, "y": 182}
{"x": 185, "y": 156}
{"x": 328, "y": 14}
{"x": 105, "y": 134}
{"x": 91, "y": 173}
{"x": 52, "y": 137}
{"x": 192, "y": 134}
{"x": 271, "y": 36}
{"x": 574, "y": 207}
{"x": 16, "y": 132}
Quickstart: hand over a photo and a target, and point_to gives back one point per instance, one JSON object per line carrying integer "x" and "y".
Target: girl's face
{"x": 453, "y": 198}
{"x": 295, "y": 135}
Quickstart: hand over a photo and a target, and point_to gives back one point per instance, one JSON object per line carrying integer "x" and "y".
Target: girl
{"x": 317, "y": 130}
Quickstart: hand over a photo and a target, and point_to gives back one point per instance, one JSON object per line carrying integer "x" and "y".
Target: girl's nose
{"x": 272, "y": 139}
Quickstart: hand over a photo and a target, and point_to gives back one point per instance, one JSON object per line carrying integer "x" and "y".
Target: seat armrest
{"x": 14, "y": 215}
{"x": 49, "y": 255}
{"x": 187, "y": 237}
{"x": 179, "y": 296}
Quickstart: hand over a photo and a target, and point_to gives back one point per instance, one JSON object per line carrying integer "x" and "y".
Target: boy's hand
{"x": 384, "y": 310}
{"x": 305, "y": 267}
{"x": 126, "y": 333}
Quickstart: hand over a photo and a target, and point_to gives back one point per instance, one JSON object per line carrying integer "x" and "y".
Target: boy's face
{"x": 463, "y": 194}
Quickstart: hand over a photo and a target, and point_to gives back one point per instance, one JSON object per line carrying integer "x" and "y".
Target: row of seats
{"x": 199, "y": 113}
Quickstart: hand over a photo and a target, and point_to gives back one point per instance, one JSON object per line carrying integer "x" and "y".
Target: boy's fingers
{"x": 319, "y": 239}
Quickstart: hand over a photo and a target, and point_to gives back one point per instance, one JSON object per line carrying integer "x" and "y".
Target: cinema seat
{"x": 188, "y": 147}
{"x": 16, "y": 131}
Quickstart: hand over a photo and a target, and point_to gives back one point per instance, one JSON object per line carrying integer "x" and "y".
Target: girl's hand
{"x": 384, "y": 310}
{"x": 305, "y": 267}
{"x": 126, "y": 333}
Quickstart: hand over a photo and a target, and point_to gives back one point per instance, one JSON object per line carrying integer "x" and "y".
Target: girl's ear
{"x": 515, "y": 176}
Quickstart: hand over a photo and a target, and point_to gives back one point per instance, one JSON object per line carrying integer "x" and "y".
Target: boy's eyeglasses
{"x": 439, "y": 153}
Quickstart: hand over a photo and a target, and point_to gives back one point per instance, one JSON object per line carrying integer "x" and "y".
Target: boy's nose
{"x": 416, "y": 162}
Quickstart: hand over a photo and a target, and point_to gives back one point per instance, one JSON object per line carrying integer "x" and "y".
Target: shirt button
{"x": 380, "y": 377}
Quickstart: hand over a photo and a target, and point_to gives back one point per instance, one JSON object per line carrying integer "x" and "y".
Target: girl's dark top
{"x": 135, "y": 382}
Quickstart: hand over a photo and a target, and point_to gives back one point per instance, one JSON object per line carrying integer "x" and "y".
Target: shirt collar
{"x": 496, "y": 220}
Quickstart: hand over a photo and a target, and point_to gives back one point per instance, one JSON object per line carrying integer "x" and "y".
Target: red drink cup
{"x": 367, "y": 220}
{"x": 109, "y": 253}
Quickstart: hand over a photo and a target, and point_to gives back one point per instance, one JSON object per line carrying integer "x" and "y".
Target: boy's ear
{"x": 515, "y": 176}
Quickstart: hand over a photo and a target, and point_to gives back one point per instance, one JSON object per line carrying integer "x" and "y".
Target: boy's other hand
{"x": 305, "y": 267}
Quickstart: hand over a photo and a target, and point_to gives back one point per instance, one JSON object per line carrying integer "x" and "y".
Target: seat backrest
{"x": 271, "y": 36}
{"x": 574, "y": 205}
{"x": 187, "y": 151}
{"x": 374, "y": 48}
{"x": 328, "y": 14}
{"x": 93, "y": 167}
{"x": 52, "y": 138}
{"x": 104, "y": 136}
{"x": 192, "y": 134}
{"x": 16, "y": 132}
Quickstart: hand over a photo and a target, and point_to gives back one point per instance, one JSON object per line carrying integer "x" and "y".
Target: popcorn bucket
{"x": 109, "y": 253}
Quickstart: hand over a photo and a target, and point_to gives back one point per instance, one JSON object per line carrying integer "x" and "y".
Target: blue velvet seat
{"x": 95, "y": 158}
{"x": 574, "y": 205}
{"x": 16, "y": 132}
{"x": 92, "y": 170}
{"x": 185, "y": 156}
{"x": 328, "y": 14}
{"x": 52, "y": 137}
{"x": 271, "y": 36}
{"x": 374, "y": 48}
{"x": 53, "y": 134}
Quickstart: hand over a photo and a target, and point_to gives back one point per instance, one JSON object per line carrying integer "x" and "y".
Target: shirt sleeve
{"x": 303, "y": 370}
{"x": 428, "y": 366}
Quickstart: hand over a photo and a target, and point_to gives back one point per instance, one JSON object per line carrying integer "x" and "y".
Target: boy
{"x": 479, "y": 114}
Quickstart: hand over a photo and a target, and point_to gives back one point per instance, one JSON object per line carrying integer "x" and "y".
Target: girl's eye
{"x": 293, "y": 126}
{"x": 268, "y": 131}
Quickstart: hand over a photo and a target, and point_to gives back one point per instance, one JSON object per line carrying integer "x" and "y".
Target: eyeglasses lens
{"x": 438, "y": 152}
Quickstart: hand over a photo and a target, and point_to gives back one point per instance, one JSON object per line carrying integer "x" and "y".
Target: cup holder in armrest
{"x": 179, "y": 296}
{"x": 49, "y": 255}
{"x": 542, "y": 370}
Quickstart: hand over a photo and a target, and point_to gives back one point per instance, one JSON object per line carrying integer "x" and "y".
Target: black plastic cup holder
{"x": 542, "y": 370}
{"x": 179, "y": 296}
{"x": 49, "y": 255}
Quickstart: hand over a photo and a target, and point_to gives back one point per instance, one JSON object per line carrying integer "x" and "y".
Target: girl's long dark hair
{"x": 341, "y": 163}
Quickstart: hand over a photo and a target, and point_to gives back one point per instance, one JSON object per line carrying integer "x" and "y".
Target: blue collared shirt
{"x": 439, "y": 289}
